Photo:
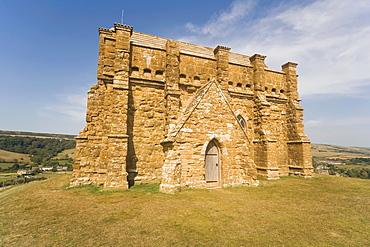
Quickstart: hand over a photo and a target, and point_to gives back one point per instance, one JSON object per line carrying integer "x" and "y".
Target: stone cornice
{"x": 289, "y": 64}
{"x": 221, "y": 48}
{"x": 257, "y": 57}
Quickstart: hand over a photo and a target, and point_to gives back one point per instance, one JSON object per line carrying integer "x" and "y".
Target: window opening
{"x": 241, "y": 121}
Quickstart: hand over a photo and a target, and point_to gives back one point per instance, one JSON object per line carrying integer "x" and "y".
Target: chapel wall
{"x": 240, "y": 78}
{"x": 147, "y": 63}
{"x": 146, "y": 132}
{"x": 210, "y": 121}
{"x": 275, "y": 84}
{"x": 195, "y": 72}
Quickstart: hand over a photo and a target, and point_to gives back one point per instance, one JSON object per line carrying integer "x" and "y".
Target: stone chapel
{"x": 187, "y": 116}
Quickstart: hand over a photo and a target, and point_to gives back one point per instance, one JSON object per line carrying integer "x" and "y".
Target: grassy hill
{"x": 334, "y": 151}
{"x": 34, "y": 134}
{"x": 6, "y": 155}
{"x": 9, "y": 158}
{"x": 323, "y": 211}
{"x": 68, "y": 153}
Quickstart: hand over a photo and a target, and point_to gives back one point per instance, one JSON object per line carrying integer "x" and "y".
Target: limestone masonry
{"x": 188, "y": 116}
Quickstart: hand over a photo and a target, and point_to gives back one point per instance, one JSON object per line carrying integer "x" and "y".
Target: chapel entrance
{"x": 212, "y": 165}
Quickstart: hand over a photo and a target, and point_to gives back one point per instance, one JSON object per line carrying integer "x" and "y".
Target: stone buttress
{"x": 102, "y": 145}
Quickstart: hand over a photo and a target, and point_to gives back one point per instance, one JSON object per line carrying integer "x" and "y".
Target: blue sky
{"x": 48, "y": 54}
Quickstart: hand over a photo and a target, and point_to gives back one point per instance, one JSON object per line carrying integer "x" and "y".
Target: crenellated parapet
{"x": 123, "y": 27}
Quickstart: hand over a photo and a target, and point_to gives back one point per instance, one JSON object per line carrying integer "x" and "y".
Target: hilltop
{"x": 322, "y": 211}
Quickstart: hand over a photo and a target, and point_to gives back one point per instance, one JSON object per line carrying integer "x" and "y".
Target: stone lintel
{"x": 298, "y": 142}
{"x": 300, "y": 167}
{"x": 268, "y": 168}
{"x": 167, "y": 142}
{"x": 257, "y": 57}
{"x": 221, "y": 48}
{"x": 98, "y": 138}
{"x": 264, "y": 140}
{"x": 173, "y": 92}
{"x": 81, "y": 137}
{"x": 118, "y": 136}
{"x": 289, "y": 65}
{"x": 120, "y": 87}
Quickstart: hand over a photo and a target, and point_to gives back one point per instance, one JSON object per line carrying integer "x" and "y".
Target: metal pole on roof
{"x": 123, "y": 11}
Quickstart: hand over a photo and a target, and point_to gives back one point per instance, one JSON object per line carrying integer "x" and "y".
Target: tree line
{"x": 40, "y": 150}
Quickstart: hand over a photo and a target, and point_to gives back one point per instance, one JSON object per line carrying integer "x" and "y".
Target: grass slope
{"x": 323, "y": 211}
{"x": 334, "y": 151}
{"x": 6, "y": 155}
{"x": 70, "y": 152}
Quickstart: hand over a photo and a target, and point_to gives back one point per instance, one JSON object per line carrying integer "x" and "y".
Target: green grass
{"x": 352, "y": 166}
{"x": 323, "y": 211}
{"x": 6, "y": 165}
{"x": 70, "y": 152}
{"x": 7, "y": 176}
{"x": 6, "y": 155}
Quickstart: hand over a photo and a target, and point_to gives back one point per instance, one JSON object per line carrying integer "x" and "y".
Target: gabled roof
{"x": 199, "y": 95}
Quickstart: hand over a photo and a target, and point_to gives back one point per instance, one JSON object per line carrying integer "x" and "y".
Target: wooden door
{"x": 212, "y": 165}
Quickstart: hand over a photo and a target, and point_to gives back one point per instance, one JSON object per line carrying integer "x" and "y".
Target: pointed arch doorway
{"x": 212, "y": 166}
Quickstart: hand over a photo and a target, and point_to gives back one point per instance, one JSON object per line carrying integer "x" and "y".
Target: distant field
{"x": 333, "y": 151}
{"x": 350, "y": 166}
{"x": 7, "y": 176}
{"x": 6, "y": 165}
{"x": 6, "y": 155}
{"x": 34, "y": 134}
{"x": 323, "y": 211}
{"x": 70, "y": 152}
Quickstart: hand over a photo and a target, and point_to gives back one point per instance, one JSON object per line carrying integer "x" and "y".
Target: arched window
{"x": 241, "y": 121}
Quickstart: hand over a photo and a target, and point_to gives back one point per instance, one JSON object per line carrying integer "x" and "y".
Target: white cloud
{"x": 313, "y": 123}
{"x": 73, "y": 106}
{"x": 328, "y": 38}
{"x": 222, "y": 24}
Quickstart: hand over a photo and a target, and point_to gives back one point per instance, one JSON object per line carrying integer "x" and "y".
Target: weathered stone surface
{"x": 188, "y": 116}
